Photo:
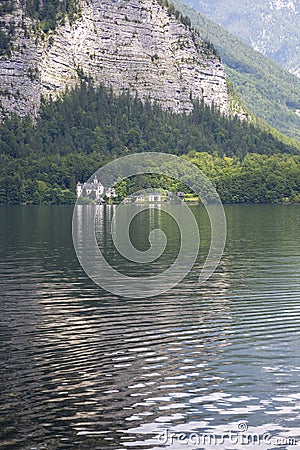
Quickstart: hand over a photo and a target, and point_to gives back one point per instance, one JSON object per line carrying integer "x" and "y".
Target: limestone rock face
{"x": 132, "y": 45}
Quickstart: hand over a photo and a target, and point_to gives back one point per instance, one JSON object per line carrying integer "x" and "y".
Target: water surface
{"x": 83, "y": 369}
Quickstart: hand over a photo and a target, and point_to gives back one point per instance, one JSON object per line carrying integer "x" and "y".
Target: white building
{"x": 140, "y": 198}
{"x": 154, "y": 197}
{"x": 95, "y": 189}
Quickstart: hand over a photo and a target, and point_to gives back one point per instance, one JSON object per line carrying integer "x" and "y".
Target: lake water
{"x": 83, "y": 369}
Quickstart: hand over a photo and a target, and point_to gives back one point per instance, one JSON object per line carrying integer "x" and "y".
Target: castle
{"x": 94, "y": 190}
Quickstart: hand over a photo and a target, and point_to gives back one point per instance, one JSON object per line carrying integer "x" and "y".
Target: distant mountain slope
{"x": 272, "y": 93}
{"x": 270, "y": 26}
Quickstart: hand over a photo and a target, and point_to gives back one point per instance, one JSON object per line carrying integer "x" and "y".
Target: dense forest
{"x": 41, "y": 161}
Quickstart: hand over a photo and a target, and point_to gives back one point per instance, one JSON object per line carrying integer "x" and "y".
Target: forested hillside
{"x": 41, "y": 162}
{"x": 270, "y": 92}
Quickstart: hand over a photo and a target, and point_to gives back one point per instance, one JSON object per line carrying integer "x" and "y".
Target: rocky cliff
{"x": 134, "y": 45}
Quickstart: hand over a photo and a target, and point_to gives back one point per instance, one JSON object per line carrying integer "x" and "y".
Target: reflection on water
{"x": 82, "y": 369}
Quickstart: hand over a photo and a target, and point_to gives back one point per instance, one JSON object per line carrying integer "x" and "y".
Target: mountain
{"x": 94, "y": 80}
{"x": 144, "y": 47}
{"x": 269, "y": 26}
{"x": 271, "y": 92}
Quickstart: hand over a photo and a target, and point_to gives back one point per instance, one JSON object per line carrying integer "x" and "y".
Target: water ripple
{"x": 82, "y": 369}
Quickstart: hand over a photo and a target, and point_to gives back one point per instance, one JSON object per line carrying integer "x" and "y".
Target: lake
{"x": 199, "y": 367}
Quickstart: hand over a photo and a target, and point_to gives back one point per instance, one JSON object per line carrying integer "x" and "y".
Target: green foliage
{"x": 81, "y": 75}
{"x": 7, "y": 30}
{"x": 272, "y": 93}
{"x": 40, "y": 162}
{"x": 253, "y": 179}
{"x": 50, "y": 12}
{"x": 6, "y": 7}
{"x": 5, "y": 43}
